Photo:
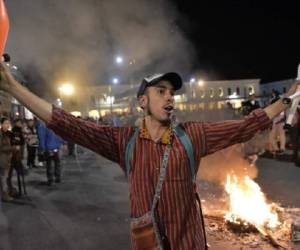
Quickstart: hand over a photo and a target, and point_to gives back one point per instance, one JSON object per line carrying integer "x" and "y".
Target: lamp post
{"x": 119, "y": 60}
{"x": 66, "y": 89}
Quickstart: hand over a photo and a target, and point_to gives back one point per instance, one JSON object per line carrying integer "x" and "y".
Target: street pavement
{"x": 90, "y": 210}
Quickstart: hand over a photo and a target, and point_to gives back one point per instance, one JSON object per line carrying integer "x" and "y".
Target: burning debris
{"x": 249, "y": 222}
{"x": 248, "y": 203}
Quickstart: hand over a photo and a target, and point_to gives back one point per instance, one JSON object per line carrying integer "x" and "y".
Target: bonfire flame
{"x": 248, "y": 203}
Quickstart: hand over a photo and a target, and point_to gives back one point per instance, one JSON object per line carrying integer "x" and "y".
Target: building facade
{"x": 209, "y": 97}
{"x": 98, "y": 101}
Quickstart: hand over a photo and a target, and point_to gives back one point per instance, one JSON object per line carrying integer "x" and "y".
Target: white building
{"x": 205, "y": 95}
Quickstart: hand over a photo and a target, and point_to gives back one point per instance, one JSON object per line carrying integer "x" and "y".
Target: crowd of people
{"x": 279, "y": 138}
{"x": 41, "y": 146}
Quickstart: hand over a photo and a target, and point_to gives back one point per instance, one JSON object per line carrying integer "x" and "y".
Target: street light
{"x": 200, "y": 83}
{"x": 192, "y": 80}
{"x": 119, "y": 59}
{"x": 115, "y": 80}
{"x": 66, "y": 89}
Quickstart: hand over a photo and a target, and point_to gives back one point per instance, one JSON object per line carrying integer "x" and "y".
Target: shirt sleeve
{"x": 208, "y": 138}
{"x": 107, "y": 141}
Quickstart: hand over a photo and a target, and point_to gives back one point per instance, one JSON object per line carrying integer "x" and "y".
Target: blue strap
{"x": 183, "y": 137}
{"x": 129, "y": 151}
{"x": 186, "y": 142}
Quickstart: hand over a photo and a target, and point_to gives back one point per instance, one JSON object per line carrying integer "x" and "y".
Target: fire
{"x": 248, "y": 203}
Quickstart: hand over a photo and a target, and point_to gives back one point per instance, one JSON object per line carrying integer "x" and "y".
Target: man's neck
{"x": 155, "y": 127}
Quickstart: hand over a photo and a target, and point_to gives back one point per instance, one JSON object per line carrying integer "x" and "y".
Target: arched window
{"x": 193, "y": 94}
{"x": 202, "y": 93}
{"x": 251, "y": 90}
{"x": 221, "y": 92}
{"x": 211, "y": 92}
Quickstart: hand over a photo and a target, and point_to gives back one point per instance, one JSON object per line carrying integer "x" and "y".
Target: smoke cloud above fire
{"x": 78, "y": 40}
{"x": 238, "y": 159}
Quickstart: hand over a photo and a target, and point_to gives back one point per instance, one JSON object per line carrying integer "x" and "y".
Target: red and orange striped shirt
{"x": 178, "y": 214}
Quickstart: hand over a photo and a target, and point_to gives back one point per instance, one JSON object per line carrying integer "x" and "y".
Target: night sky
{"x": 55, "y": 41}
{"x": 243, "y": 39}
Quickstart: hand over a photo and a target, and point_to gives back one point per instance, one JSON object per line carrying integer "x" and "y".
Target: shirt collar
{"x": 166, "y": 137}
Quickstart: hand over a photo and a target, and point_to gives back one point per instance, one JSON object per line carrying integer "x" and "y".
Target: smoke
{"x": 238, "y": 159}
{"x": 232, "y": 160}
{"x": 78, "y": 40}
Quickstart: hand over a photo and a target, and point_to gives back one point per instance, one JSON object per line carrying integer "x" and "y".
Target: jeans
{"x": 31, "y": 152}
{"x": 3, "y": 183}
{"x": 53, "y": 157}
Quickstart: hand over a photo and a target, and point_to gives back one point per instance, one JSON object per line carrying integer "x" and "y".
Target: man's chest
{"x": 147, "y": 161}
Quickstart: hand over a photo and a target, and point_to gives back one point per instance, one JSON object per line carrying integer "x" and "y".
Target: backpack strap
{"x": 187, "y": 144}
{"x": 129, "y": 151}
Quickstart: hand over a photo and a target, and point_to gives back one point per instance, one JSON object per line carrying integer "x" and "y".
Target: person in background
{"x": 277, "y": 128}
{"x": 6, "y": 150}
{"x": 250, "y": 105}
{"x": 49, "y": 146}
{"x": 116, "y": 120}
{"x": 32, "y": 143}
{"x": 71, "y": 148}
{"x": 294, "y": 137}
{"x": 17, "y": 143}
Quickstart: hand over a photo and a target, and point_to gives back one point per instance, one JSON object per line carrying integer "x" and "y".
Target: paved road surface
{"x": 89, "y": 210}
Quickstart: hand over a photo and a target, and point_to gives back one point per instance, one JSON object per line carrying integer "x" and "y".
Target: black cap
{"x": 148, "y": 81}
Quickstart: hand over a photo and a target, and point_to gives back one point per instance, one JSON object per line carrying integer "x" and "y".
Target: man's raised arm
{"x": 277, "y": 107}
{"x": 31, "y": 101}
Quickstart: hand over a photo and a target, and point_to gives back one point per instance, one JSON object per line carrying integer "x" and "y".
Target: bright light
{"x": 76, "y": 113}
{"x": 115, "y": 80}
{"x": 192, "y": 79}
{"x": 234, "y": 95}
{"x": 119, "y": 60}
{"x": 66, "y": 89}
{"x": 59, "y": 102}
{"x": 110, "y": 99}
{"x": 200, "y": 83}
{"x": 177, "y": 98}
{"x": 94, "y": 113}
{"x": 248, "y": 202}
{"x": 15, "y": 67}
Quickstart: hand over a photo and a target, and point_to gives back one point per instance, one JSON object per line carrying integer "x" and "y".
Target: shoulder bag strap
{"x": 129, "y": 151}
{"x": 162, "y": 176}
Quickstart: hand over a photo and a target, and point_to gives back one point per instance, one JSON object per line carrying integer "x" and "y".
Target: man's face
{"x": 158, "y": 101}
{"x": 5, "y": 125}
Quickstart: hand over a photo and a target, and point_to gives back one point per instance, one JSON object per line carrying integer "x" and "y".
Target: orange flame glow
{"x": 247, "y": 202}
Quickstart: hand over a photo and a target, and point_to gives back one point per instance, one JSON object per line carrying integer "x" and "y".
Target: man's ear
{"x": 143, "y": 100}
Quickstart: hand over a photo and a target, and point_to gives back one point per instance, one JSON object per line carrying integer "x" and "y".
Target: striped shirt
{"x": 177, "y": 212}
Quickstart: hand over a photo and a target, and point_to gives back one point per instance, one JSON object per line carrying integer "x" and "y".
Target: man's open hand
{"x": 6, "y": 77}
